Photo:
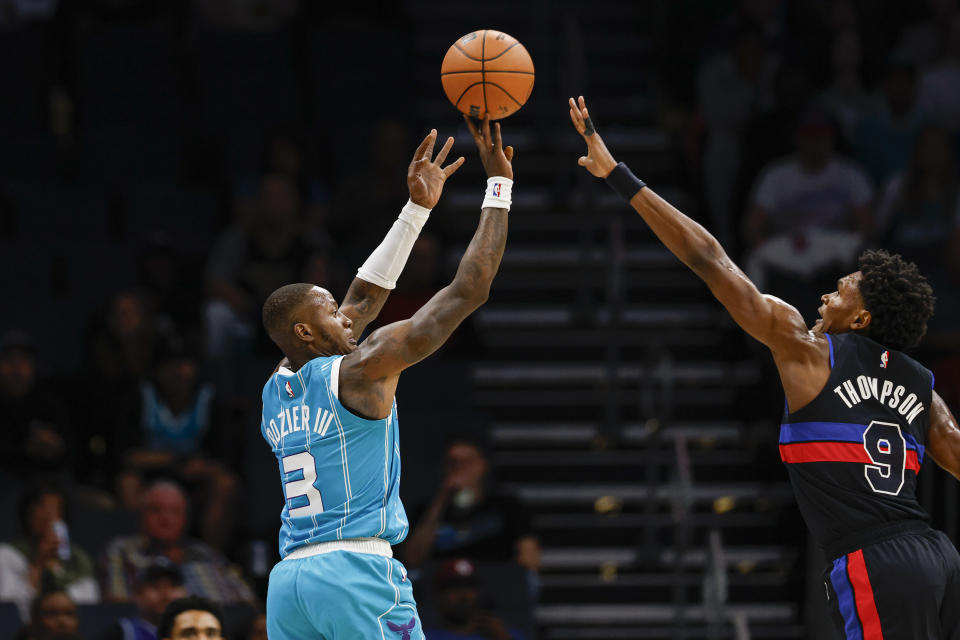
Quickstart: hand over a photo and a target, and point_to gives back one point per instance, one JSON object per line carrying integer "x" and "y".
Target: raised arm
{"x": 377, "y": 277}
{"x": 943, "y": 439}
{"x": 770, "y": 320}
{"x": 369, "y": 375}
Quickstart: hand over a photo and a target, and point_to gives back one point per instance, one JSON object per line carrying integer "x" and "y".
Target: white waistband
{"x": 376, "y": 546}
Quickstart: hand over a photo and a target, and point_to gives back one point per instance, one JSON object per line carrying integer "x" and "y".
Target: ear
{"x": 861, "y": 321}
{"x": 303, "y": 332}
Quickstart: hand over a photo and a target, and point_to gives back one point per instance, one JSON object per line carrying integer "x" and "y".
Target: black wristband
{"x": 622, "y": 180}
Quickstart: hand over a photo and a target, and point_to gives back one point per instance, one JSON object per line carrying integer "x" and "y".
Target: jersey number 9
{"x": 887, "y": 449}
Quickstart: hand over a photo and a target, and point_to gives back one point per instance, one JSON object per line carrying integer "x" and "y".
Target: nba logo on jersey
{"x": 495, "y": 191}
{"x": 291, "y": 394}
{"x": 884, "y": 359}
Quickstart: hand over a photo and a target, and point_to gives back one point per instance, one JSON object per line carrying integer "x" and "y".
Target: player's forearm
{"x": 683, "y": 236}
{"x": 363, "y": 303}
{"x": 481, "y": 260}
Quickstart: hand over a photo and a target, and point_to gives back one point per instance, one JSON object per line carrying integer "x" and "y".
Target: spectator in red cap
{"x": 464, "y": 614}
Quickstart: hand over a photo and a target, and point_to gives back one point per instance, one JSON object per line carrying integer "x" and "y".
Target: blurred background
{"x": 594, "y": 454}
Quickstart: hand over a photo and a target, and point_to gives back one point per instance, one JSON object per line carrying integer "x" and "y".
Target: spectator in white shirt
{"x": 809, "y": 212}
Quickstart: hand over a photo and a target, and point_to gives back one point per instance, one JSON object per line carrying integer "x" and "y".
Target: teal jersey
{"x": 340, "y": 472}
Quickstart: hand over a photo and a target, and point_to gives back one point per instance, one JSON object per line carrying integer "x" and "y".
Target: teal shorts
{"x": 340, "y": 595}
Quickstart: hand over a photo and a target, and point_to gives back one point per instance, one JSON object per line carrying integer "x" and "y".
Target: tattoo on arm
{"x": 363, "y": 302}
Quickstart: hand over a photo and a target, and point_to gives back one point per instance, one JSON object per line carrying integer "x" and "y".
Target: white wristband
{"x": 499, "y": 193}
{"x": 385, "y": 264}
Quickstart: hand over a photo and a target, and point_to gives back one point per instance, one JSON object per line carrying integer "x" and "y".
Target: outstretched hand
{"x": 425, "y": 178}
{"x": 497, "y": 161}
{"x": 598, "y": 161}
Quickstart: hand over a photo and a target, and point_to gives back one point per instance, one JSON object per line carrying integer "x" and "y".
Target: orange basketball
{"x": 485, "y": 72}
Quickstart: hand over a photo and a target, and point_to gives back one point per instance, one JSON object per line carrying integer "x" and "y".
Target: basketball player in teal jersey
{"x": 330, "y": 417}
{"x": 860, "y": 415}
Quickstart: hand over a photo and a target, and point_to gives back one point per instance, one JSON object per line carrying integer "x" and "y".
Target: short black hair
{"x": 280, "y": 305}
{"x": 191, "y": 603}
{"x": 898, "y": 297}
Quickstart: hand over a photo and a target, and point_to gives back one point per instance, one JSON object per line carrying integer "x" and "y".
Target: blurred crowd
{"x": 811, "y": 130}
{"x": 821, "y": 132}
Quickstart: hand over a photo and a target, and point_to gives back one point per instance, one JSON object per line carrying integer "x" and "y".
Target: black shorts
{"x": 904, "y": 588}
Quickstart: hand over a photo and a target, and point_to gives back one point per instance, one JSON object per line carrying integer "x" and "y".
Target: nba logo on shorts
{"x": 289, "y": 389}
{"x": 884, "y": 359}
{"x": 496, "y": 190}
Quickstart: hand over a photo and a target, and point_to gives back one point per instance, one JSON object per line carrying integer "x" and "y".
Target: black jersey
{"x": 853, "y": 453}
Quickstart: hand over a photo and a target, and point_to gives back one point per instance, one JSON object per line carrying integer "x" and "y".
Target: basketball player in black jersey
{"x": 860, "y": 416}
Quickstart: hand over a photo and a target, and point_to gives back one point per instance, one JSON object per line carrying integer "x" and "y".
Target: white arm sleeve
{"x": 385, "y": 264}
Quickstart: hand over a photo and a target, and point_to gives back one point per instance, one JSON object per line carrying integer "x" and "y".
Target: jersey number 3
{"x": 303, "y": 469}
{"x": 887, "y": 449}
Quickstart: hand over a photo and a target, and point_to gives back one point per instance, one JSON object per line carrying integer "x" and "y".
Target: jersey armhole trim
{"x": 830, "y": 342}
{"x": 335, "y": 378}
{"x": 933, "y": 381}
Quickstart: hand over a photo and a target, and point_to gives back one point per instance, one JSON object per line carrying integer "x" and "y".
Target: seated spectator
{"x": 163, "y": 523}
{"x": 43, "y": 559}
{"x": 165, "y": 275}
{"x": 191, "y": 618}
{"x": 468, "y": 517}
{"x": 249, "y": 260}
{"x": 919, "y": 218}
{"x": 846, "y": 97}
{"x": 53, "y": 616}
{"x": 732, "y": 88}
{"x": 157, "y": 586}
{"x": 810, "y": 212}
{"x": 37, "y": 430}
{"x": 122, "y": 348}
{"x": 884, "y": 137}
{"x": 919, "y": 212}
{"x": 938, "y": 85}
{"x": 464, "y": 614}
{"x": 180, "y": 434}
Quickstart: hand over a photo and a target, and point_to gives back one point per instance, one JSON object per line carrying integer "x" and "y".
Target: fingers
{"x": 582, "y": 161}
{"x": 576, "y": 116}
{"x": 497, "y": 140}
{"x": 423, "y": 145}
{"x": 451, "y": 168}
{"x": 432, "y": 138}
{"x": 486, "y": 129}
{"x": 444, "y": 150}
{"x": 473, "y": 129}
{"x": 588, "y": 129}
{"x": 576, "y": 121}
{"x": 508, "y": 152}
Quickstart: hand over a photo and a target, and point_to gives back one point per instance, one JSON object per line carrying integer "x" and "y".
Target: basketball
{"x": 487, "y": 71}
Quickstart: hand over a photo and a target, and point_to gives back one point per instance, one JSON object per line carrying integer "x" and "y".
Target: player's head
{"x": 887, "y": 299}
{"x": 305, "y": 321}
{"x": 194, "y": 618}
